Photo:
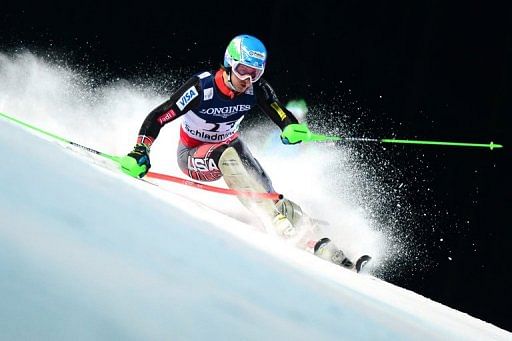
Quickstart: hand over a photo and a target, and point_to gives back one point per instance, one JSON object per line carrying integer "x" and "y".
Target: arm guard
{"x": 270, "y": 105}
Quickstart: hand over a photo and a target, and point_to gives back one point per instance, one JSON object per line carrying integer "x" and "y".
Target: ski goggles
{"x": 243, "y": 71}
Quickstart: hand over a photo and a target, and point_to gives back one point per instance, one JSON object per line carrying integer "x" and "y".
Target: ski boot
{"x": 283, "y": 226}
{"x": 326, "y": 249}
{"x": 290, "y": 210}
{"x": 307, "y": 230}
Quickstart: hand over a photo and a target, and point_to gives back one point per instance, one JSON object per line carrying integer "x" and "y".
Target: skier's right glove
{"x": 136, "y": 163}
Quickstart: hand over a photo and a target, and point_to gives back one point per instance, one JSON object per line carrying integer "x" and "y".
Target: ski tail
{"x": 361, "y": 262}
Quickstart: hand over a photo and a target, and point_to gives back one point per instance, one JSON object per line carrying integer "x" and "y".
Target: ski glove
{"x": 136, "y": 163}
{"x": 295, "y": 133}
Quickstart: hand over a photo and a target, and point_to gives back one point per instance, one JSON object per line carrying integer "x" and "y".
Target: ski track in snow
{"x": 89, "y": 253}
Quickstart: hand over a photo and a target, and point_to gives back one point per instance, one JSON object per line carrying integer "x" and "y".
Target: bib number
{"x": 222, "y": 127}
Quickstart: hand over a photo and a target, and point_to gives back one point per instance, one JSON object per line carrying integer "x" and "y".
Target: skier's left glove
{"x": 295, "y": 133}
{"x": 136, "y": 163}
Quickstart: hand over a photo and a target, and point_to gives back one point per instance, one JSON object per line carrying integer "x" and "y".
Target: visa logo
{"x": 188, "y": 96}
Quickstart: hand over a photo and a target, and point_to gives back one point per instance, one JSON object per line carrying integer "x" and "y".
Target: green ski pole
{"x": 59, "y": 138}
{"x": 300, "y": 132}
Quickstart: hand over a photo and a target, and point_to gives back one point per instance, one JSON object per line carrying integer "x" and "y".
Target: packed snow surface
{"x": 89, "y": 253}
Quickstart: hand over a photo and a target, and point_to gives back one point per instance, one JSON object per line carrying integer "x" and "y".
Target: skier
{"x": 212, "y": 106}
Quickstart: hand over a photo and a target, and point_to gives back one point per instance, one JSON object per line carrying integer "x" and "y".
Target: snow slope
{"x": 87, "y": 253}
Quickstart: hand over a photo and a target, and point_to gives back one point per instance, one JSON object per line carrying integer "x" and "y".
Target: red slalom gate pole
{"x": 272, "y": 196}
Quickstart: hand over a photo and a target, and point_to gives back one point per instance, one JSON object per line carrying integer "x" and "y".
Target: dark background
{"x": 415, "y": 69}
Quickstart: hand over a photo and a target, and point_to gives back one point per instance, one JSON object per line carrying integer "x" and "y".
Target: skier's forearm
{"x": 155, "y": 120}
{"x": 279, "y": 114}
{"x": 272, "y": 107}
{"x": 168, "y": 111}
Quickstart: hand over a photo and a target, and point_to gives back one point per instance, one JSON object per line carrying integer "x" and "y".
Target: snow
{"x": 89, "y": 253}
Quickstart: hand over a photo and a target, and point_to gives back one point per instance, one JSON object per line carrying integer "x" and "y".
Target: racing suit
{"x": 211, "y": 114}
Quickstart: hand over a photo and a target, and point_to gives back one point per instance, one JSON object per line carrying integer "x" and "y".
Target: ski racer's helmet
{"x": 246, "y": 56}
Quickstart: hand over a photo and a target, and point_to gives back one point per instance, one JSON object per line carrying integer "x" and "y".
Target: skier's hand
{"x": 136, "y": 163}
{"x": 295, "y": 133}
